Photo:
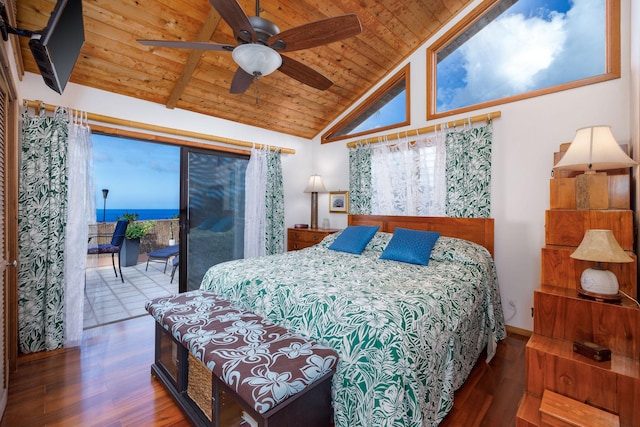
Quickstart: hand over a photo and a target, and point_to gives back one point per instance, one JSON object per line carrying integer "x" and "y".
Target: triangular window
{"x": 387, "y": 108}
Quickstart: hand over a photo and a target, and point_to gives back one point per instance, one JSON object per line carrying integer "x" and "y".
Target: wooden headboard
{"x": 477, "y": 230}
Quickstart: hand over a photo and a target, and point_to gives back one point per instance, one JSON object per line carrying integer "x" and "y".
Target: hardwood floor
{"x": 107, "y": 382}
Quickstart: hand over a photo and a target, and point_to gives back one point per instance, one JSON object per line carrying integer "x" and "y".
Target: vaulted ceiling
{"x": 112, "y": 59}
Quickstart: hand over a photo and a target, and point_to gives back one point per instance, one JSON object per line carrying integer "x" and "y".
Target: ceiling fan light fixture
{"x": 257, "y": 59}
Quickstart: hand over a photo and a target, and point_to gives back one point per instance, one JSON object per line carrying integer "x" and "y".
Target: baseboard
{"x": 518, "y": 331}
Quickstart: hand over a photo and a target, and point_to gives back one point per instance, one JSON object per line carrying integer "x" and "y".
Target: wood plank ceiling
{"x": 113, "y": 60}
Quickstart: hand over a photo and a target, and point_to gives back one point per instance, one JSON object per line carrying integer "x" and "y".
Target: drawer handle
{"x": 316, "y": 237}
{"x": 296, "y": 246}
{"x": 296, "y": 234}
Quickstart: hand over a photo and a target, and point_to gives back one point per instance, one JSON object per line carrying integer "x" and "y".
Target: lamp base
{"x": 592, "y": 191}
{"x": 599, "y": 281}
{"x": 601, "y": 297}
{"x": 314, "y": 210}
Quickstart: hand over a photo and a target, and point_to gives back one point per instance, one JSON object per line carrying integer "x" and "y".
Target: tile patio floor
{"x": 108, "y": 300}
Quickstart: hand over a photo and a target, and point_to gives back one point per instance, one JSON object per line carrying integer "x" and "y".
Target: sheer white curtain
{"x": 255, "y": 208}
{"x": 409, "y": 176}
{"x": 80, "y": 213}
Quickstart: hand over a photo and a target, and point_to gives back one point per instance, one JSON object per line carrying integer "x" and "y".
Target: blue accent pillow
{"x": 354, "y": 238}
{"x": 223, "y": 225}
{"x": 410, "y": 246}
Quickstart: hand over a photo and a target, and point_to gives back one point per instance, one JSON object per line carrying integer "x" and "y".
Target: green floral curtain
{"x": 274, "y": 200}
{"x": 42, "y": 212}
{"x": 468, "y": 172}
{"x": 360, "y": 180}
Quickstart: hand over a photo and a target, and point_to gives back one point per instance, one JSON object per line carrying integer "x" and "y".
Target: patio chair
{"x": 114, "y": 247}
{"x": 175, "y": 262}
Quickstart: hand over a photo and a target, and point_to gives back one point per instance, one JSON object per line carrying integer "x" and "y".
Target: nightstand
{"x": 300, "y": 238}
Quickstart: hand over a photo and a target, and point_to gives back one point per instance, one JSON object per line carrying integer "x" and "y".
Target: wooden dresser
{"x": 560, "y": 382}
{"x": 300, "y": 238}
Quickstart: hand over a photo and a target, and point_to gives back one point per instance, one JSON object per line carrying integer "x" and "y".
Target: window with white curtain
{"x": 409, "y": 177}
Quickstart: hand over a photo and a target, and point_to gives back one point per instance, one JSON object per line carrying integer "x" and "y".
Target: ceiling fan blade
{"x": 241, "y": 81}
{"x": 187, "y": 45}
{"x": 233, "y": 15}
{"x": 303, "y": 74}
{"x": 316, "y": 33}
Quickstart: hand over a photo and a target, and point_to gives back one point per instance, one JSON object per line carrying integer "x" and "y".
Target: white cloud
{"x": 519, "y": 53}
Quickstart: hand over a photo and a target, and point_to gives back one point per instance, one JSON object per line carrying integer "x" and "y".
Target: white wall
{"x": 295, "y": 167}
{"x": 525, "y": 138}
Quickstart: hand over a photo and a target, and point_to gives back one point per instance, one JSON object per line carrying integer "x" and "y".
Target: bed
{"x": 407, "y": 335}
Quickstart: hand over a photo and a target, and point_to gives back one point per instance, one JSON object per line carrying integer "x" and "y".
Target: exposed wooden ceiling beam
{"x": 206, "y": 32}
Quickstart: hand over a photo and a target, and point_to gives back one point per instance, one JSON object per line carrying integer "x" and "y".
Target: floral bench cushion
{"x": 264, "y": 363}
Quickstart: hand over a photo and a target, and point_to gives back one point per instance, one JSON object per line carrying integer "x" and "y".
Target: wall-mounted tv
{"x": 56, "y": 48}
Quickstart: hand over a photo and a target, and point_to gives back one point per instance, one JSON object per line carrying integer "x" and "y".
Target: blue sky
{"x": 139, "y": 175}
{"x": 534, "y": 44}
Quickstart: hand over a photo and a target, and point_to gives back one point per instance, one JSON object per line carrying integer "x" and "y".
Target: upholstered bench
{"x": 257, "y": 373}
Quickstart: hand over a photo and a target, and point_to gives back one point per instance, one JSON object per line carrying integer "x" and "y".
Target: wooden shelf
{"x": 528, "y": 414}
{"x": 618, "y": 365}
{"x": 559, "y": 269}
{"x": 562, "y": 314}
{"x": 559, "y": 411}
{"x": 574, "y": 383}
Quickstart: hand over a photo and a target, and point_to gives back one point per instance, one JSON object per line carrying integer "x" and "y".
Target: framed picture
{"x": 339, "y": 202}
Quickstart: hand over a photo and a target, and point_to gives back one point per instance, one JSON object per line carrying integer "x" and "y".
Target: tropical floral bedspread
{"x": 407, "y": 335}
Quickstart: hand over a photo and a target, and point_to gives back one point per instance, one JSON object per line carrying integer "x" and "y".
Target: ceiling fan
{"x": 260, "y": 43}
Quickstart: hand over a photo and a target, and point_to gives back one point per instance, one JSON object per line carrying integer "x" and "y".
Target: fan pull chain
{"x": 255, "y": 88}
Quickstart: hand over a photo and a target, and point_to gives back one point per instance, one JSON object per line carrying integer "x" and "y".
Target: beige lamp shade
{"x": 315, "y": 185}
{"x": 600, "y": 246}
{"x": 594, "y": 148}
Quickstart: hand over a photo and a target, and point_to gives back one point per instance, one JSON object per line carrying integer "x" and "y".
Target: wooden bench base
{"x": 228, "y": 367}
{"x": 182, "y": 376}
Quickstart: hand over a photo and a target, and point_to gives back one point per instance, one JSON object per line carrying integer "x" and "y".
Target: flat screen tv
{"x": 57, "y": 46}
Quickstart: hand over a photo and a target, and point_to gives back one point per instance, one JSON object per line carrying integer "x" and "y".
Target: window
{"x": 514, "y": 49}
{"x": 387, "y": 108}
{"x": 142, "y": 177}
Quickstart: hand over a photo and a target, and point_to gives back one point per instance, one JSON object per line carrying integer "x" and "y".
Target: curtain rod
{"x": 153, "y": 128}
{"x": 424, "y": 130}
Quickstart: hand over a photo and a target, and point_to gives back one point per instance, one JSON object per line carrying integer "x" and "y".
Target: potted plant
{"x": 135, "y": 231}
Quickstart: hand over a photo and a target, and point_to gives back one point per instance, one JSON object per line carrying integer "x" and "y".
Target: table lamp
{"x": 314, "y": 186}
{"x": 593, "y": 149}
{"x": 600, "y": 246}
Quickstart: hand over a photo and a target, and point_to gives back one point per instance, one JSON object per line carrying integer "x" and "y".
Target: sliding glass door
{"x": 211, "y": 211}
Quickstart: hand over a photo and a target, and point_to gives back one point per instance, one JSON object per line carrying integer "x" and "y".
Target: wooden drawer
{"x": 303, "y": 238}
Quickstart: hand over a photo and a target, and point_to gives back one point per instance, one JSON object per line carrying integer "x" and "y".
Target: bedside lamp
{"x": 314, "y": 186}
{"x": 600, "y": 246}
{"x": 593, "y": 148}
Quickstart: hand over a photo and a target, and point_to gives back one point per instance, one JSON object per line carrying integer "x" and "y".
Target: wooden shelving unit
{"x": 557, "y": 378}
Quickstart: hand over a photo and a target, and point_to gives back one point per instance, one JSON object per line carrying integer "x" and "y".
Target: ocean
{"x": 111, "y": 215}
